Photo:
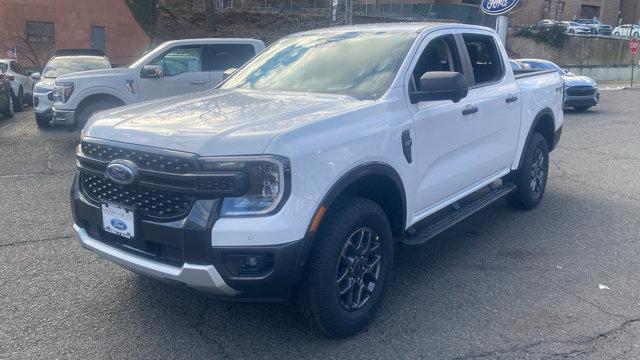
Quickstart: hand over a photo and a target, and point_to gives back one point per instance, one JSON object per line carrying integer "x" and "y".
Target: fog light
{"x": 251, "y": 261}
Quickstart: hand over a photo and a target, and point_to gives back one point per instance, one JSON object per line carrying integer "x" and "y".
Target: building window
{"x": 41, "y": 32}
{"x": 560, "y": 7}
{"x": 546, "y": 4}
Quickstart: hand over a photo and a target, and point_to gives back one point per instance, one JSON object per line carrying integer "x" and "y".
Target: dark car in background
{"x": 6, "y": 100}
{"x": 64, "y": 61}
{"x": 580, "y": 92}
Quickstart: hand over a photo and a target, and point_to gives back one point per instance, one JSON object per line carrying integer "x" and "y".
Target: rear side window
{"x": 3, "y": 67}
{"x": 227, "y": 56}
{"x": 484, "y": 57}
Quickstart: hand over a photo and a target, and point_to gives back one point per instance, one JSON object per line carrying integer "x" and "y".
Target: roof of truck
{"x": 399, "y": 26}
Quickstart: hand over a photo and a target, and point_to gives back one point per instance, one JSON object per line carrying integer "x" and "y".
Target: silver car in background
{"x": 580, "y": 92}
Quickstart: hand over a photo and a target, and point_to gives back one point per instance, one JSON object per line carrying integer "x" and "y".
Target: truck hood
{"x": 45, "y": 85}
{"x": 226, "y": 122}
{"x": 92, "y": 75}
{"x": 577, "y": 80}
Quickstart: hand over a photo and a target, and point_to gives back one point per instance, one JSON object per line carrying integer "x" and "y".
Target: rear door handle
{"x": 469, "y": 109}
{"x": 511, "y": 99}
{"x": 197, "y": 82}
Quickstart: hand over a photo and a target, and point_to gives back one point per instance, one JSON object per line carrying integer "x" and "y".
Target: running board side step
{"x": 459, "y": 214}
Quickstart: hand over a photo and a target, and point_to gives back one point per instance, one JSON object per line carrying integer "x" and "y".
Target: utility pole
{"x": 209, "y": 14}
{"x": 633, "y": 55}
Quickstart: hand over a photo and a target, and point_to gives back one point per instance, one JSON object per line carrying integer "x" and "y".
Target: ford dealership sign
{"x": 498, "y": 7}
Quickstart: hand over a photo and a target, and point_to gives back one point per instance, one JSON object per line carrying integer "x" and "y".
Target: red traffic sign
{"x": 633, "y": 45}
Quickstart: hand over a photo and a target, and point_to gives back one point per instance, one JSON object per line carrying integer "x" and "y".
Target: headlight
{"x": 268, "y": 182}
{"x": 63, "y": 91}
{"x": 41, "y": 89}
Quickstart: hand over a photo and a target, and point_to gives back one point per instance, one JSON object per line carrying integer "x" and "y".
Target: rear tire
{"x": 87, "y": 111}
{"x": 352, "y": 255}
{"x": 581, "y": 108}
{"x": 531, "y": 178}
{"x": 18, "y": 101}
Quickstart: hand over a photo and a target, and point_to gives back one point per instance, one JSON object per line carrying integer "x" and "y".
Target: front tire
{"x": 348, "y": 269}
{"x": 531, "y": 178}
{"x": 87, "y": 111}
{"x": 42, "y": 120}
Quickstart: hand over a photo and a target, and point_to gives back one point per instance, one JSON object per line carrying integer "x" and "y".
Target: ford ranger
{"x": 173, "y": 68}
{"x": 297, "y": 176}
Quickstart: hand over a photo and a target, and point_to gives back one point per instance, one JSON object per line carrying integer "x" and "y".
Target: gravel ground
{"x": 559, "y": 281}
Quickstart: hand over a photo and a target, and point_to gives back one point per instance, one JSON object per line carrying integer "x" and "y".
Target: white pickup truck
{"x": 298, "y": 175}
{"x": 173, "y": 68}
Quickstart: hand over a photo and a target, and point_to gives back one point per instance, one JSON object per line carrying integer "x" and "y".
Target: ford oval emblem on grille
{"x": 123, "y": 172}
{"x": 119, "y": 224}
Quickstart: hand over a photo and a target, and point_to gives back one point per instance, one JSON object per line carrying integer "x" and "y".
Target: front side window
{"x": 180, "y": 59}
{"x": 14, "y": 67}
{"x": 361, "y": 64}
{"x": 484, "y": 58}
{"x": 3, "y": 67}
{"x": 440, "y": 54}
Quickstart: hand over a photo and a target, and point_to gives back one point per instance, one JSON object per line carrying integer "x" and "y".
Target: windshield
{"x": 69, "y": 64}
{"x": 542, "y": 65}
{"x": 356, "y": 63}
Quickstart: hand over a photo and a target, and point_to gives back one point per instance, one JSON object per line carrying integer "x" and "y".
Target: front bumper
{"x": 180, "y": 252}
{"x": 199, "y": 277}
{"x": 42, "y": 104}
{"x": 63, "y": 117}
{"x": 585, "y": 100}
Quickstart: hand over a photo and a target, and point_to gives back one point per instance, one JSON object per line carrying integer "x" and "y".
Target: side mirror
{"x": 36, "y": 76}
{"x": 440, "y": 85}
{"x": 228, "y": 73}
{"x": 151, "y": 71}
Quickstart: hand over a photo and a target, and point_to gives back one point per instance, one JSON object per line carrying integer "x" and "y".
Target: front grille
{"x": 162, "y": 162}
{"x": 153, "y": 203}
{"x": 581, "y": 90}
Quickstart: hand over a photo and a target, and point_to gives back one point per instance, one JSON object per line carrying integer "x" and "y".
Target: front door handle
{"x": 511, "y": 99}
{"x": 469, "y": 109}
{"x": 197, "y": 82}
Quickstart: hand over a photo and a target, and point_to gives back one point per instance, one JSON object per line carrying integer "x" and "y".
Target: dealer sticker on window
{"x": 118, "y": 220}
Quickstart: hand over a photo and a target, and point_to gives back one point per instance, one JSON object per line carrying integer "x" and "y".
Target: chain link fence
{"x": 388, "y": 10}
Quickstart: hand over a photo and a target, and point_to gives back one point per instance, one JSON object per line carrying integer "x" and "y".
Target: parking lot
{"x": 559, "y": 281}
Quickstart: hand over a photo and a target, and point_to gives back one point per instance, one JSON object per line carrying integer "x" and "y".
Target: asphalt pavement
{"x": 559, "y": 281}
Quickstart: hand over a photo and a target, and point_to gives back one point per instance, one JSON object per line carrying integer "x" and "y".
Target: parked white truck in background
{"x": 300, "y": 173}
{"x": 173, "y": 68}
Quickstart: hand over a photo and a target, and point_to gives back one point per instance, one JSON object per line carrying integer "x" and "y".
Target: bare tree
{"x": 36, "y": 53}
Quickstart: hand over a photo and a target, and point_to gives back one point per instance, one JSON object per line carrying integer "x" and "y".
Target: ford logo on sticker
{"x": 498, "y": 7}
{"x": 119, "y": 224}
{"x": 123, "y": 172}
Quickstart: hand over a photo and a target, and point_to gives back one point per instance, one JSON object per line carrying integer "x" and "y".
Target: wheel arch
{"x": 544, "y": 124}
{"x": 391, "y": 198}
{"x": 97, "y": 97}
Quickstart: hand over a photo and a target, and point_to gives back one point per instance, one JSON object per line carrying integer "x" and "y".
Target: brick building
{"x": 37, "y": 27}
{"x": 608, "y": 11}
{"x": 611, "y": 12}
